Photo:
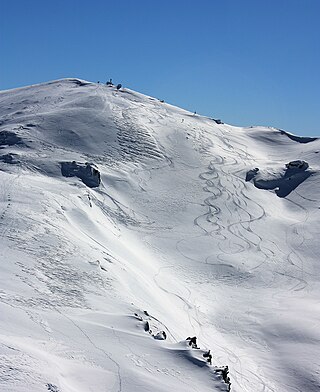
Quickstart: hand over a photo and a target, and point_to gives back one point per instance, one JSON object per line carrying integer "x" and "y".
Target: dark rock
{"x": 217, "y": 121}
{"x": 8, "y": 138}
{"x": 298, "y": 139}
{"x": 251, "y": 174}
{"x": 86, "y": 172}
{"x": 303, "y": 165}
{"x": 161, "y": 335}
{"x": 9, "y": 158}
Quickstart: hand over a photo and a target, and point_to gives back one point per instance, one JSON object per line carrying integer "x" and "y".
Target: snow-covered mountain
{"x": 125, "y": 220}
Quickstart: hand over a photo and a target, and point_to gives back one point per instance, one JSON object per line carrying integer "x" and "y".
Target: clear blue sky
{"x": 248, "y": 62}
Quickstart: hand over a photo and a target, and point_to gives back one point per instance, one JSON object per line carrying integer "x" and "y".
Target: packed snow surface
{"x": 128, "y": 225}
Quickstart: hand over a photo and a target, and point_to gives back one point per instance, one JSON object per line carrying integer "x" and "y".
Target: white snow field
{"x": 119, "y": 213}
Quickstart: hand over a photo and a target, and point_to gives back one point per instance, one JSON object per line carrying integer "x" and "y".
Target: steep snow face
{"x": 125, "y": 220}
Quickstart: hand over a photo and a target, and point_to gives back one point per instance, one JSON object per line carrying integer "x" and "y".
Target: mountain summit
{"x": 128, "y": 225}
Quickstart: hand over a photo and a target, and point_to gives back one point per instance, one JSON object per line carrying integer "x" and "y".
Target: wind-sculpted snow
{"x": 284, "y": 181}
{"x": 178, "y": 233}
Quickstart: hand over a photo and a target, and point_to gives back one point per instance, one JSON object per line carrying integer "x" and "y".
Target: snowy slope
{"x": 183, "y": 235}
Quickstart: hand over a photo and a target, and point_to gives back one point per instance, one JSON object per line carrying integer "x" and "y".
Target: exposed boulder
{"x": 251, "y": 174}
{"x": 8, "y": 138}
{"x": 161, "y": 335}
{"x": 217, "y": 121}
{"x": 302, "y": 165}
{"x": 87, "y": 172}
{"x": 9, "y": 158}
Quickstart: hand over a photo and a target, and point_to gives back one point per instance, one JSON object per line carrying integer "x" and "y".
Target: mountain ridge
{"x": 173, "y": 228}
